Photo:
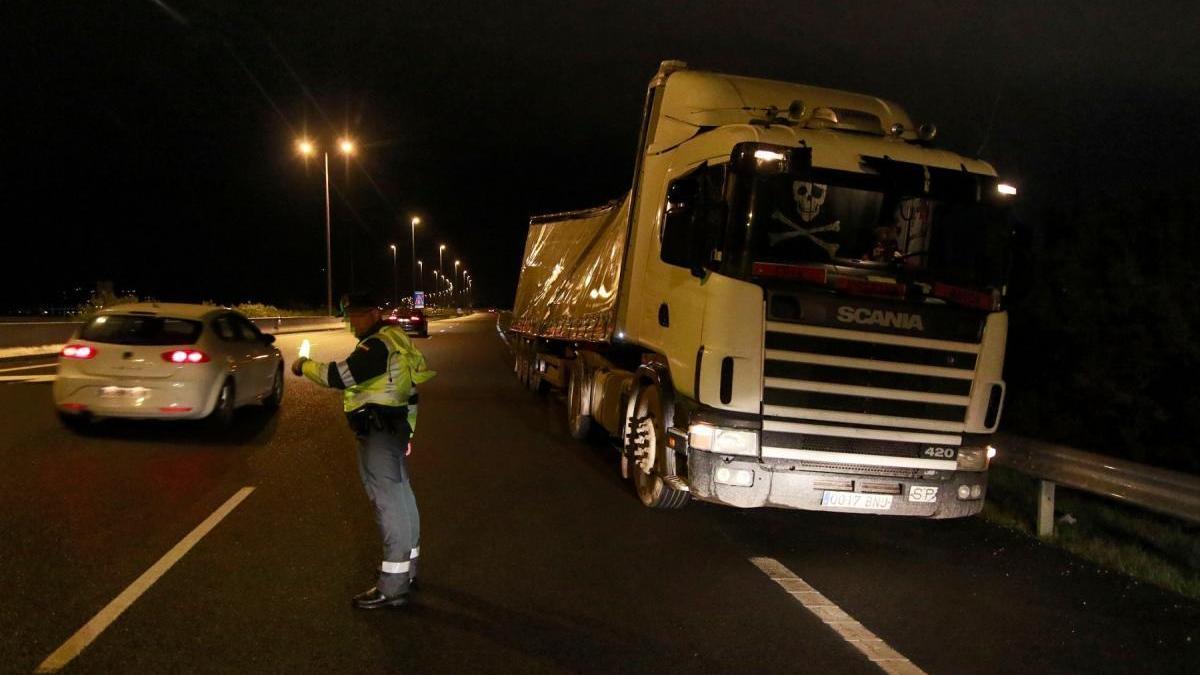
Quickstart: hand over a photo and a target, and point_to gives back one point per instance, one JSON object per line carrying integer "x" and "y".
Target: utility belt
{"x": 374, "y": 418}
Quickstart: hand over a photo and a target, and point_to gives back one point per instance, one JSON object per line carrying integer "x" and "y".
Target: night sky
{"x": 151, "y": 143}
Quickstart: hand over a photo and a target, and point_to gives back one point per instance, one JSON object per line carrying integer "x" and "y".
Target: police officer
{"x": 380, "y": 400}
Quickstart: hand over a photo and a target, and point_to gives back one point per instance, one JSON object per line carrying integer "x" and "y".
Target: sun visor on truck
{"x": 940, "y": 184}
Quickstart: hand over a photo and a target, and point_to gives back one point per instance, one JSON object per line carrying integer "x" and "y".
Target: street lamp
{"x": 441, "y": 249}
{"x": 308, "y": 148}
{"x": 395, "y": 278}
{"x": 415, "y": 221}
{"x": 456, "y": 264}
{"x": 421, "y": 273}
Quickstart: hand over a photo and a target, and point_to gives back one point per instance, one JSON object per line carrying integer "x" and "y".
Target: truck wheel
{"x": 534, "y": 380}
{"x": 646, "y": 452}
{"x": 521, "y": 368}
{"x": 579, "y": 423}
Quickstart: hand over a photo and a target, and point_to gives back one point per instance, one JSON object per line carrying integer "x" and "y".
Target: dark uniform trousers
{"x": 384, "y": 472}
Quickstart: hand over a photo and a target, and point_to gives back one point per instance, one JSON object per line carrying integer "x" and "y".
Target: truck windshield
{"x": 859, "y": 220}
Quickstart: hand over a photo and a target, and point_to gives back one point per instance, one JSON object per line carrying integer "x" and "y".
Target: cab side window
{"x": 693, "y": 217}
{"x": 682, "y": 197}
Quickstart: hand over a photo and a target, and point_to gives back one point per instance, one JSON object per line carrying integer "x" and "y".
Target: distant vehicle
{"x": 166, "y": 361}
{"x": 411, "y": 320}
{"x": 799, "y": 304}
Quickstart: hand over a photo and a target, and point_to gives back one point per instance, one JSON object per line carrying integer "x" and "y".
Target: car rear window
{"x": 130, "y": 329}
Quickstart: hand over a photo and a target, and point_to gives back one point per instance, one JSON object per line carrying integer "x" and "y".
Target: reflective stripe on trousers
{"x": 384, "y": 474}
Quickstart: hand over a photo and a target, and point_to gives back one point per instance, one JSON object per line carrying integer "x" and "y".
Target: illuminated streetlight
{"x": 307, "y": 148}
{"x": 415, "y": 221}
{"x": 421, "y": 273}
{"x": 395, "y": 278}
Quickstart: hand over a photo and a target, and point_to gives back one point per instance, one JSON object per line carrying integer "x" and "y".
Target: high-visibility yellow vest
{"x": 398, "y": 386}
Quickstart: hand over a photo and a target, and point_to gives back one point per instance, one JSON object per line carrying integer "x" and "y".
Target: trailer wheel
{"x": 646, "y": 452}
{"x": 579, "y": 423}
{"x": 534, "y": 378}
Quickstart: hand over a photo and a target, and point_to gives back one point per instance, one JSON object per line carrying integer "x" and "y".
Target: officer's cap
{"x": 362, "y": 300}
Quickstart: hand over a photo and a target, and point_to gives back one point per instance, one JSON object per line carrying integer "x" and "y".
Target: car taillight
{"x": 78, "y": 352}
{"x": 415, "y": 318}
{"x": 185, "y": 356}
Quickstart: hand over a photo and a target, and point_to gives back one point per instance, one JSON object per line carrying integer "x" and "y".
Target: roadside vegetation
{"x": 1153, "y": 549}
{"x": 104, "y": 297}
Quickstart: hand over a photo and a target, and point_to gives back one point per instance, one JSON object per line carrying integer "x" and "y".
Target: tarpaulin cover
{"x": 569, "y": 274}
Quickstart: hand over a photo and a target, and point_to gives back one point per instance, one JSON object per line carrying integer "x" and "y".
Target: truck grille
{"x": 837, "y": 378}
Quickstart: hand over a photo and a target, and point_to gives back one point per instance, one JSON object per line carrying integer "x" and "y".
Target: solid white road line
{"x": 853, "y": 632}
{"x": 93, "y": 628}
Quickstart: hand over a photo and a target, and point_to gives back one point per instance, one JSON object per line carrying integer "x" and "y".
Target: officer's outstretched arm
{"x": 368, "y": 361}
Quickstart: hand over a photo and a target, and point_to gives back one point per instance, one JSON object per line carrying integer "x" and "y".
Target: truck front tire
{"x": 646, "y": 452}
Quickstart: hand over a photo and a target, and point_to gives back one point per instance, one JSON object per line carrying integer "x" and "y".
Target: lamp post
{"x": 395, "y": 278}
{"x": 456, "y": 264}
{"x": 415, "y": 221}
{"x": 307, "y": 149}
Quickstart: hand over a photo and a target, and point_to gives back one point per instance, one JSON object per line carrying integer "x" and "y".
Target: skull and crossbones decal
{"x": 809, "y": 198}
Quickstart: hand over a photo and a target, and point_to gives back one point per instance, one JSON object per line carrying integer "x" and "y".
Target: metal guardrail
{"x": 291, "y": 324}
{"x": 1168, "y": 492}
{"x": 49, "y": 333}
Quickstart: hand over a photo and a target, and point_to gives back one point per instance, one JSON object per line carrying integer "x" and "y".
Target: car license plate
{"x": 123, "y": 392}
{"x": 922, "y": 493}
{"x": 856, "y": 500}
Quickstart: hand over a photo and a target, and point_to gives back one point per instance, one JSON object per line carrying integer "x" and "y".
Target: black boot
{"x": 373, "y": 599}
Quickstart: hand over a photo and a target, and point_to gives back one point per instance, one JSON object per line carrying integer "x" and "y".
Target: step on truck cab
{"x": 799, "y": 303}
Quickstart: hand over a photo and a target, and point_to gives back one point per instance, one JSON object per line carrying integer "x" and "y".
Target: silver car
{"x": 166, "y": 361}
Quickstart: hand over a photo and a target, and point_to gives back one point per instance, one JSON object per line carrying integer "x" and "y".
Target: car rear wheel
{"x": 275, "y": 398}
{"x": 221, "y": 418}
{"x": 78, "y": 423}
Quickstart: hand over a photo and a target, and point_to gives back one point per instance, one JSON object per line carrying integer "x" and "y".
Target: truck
{"x": 799, "y": 303}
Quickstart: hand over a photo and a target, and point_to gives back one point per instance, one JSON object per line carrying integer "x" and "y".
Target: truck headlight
{"x": 972, "y": 459}
{"x": 723, "y": 441}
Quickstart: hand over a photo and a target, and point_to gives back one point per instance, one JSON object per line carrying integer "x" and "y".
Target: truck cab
{"x": 809, "y": 305}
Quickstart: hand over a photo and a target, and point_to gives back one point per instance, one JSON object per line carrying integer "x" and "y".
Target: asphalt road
{"x": 536, "y": 557}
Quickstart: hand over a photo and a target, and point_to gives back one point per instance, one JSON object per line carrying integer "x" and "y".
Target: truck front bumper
{"x": 781, "y": 483}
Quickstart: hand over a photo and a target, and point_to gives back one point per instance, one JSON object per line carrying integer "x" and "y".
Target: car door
{"x": 237, "y": 355}
{"x": 260, "y": 361}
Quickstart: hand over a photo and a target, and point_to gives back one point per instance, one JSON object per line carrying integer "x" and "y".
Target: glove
{"x": 298, "y": 365}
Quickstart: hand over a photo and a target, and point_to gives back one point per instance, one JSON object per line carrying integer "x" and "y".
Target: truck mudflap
{"x": 749, "y": 482}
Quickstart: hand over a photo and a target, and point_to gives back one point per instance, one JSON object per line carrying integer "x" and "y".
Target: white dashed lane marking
{"x": 853, "y": 632}
{"x": 93, "y": 628}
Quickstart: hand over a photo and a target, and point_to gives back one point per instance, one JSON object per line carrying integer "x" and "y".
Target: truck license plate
{"x": 922, "y": 493}
{"x": 856, "y": 500}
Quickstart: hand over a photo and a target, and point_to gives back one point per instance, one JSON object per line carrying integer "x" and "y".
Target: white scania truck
{"x": 798, "y": 304}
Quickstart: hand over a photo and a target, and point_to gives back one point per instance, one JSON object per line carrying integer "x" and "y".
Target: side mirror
{"x": 268, "y": 338}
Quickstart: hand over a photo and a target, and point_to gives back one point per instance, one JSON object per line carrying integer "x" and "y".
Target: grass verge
{"x": 1154, "y": 549}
